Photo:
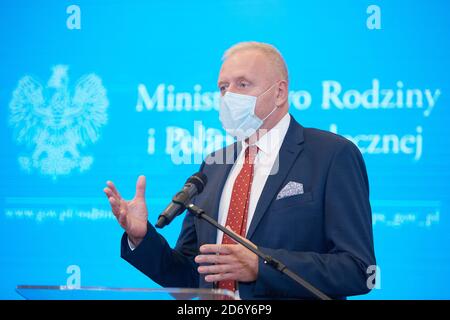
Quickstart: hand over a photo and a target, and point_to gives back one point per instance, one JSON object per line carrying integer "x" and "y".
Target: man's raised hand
{"x": 132, "y": 215}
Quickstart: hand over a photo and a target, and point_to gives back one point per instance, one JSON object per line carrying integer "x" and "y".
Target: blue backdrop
{"x": 106, "y": 90}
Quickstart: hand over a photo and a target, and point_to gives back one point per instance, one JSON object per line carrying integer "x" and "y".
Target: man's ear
{"x": 282, "y": 93}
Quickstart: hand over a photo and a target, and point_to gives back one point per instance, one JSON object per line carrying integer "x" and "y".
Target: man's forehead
{"x": 248, "y": 62}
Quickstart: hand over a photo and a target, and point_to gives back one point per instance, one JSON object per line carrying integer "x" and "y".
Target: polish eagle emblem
{"x": 53, "y": 122}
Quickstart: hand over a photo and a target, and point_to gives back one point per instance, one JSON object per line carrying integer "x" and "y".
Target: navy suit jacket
{"x": 324, "y": 235}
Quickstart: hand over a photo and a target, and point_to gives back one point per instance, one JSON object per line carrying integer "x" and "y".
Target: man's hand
{"x": 231, "y": 262}
{"x": 132, "y": 215}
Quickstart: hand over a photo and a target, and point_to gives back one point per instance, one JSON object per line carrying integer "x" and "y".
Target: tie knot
{"x": 250, "y": 154}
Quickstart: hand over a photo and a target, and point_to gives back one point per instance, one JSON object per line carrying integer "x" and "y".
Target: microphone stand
{"x": 201, "y": 214}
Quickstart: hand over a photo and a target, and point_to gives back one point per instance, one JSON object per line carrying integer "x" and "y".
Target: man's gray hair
{"x": 267, "y": 49}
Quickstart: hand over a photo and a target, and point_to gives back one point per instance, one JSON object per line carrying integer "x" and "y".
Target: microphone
{"x": 193, "y": 186}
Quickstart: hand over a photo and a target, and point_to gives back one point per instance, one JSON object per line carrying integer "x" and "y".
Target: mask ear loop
{"x": 267, "y": 90}
{"x": 276, "y": 107}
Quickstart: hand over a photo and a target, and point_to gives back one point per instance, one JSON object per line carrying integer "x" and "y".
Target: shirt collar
{"x": 273, "y": 139}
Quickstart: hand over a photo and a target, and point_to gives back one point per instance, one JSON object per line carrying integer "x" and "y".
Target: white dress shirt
{"x": 269, "y": 146}
{"x": 266, "y": 163}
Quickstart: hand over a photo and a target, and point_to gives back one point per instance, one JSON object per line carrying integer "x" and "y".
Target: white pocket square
{"x": 292, "y": 188}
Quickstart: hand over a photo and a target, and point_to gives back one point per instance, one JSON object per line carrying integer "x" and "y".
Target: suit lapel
{"x": 290, "y": 149}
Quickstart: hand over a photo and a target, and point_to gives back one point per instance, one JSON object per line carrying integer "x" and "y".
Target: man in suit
{"x": 299, "y": 194}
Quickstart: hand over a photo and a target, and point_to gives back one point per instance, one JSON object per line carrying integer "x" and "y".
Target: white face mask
{"x": 237, "y": 114}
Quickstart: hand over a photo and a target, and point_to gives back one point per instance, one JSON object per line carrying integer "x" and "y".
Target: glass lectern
{"x": 33, "y": 292}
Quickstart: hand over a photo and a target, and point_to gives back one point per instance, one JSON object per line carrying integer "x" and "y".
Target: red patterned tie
{"x": 238, "y": 210}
